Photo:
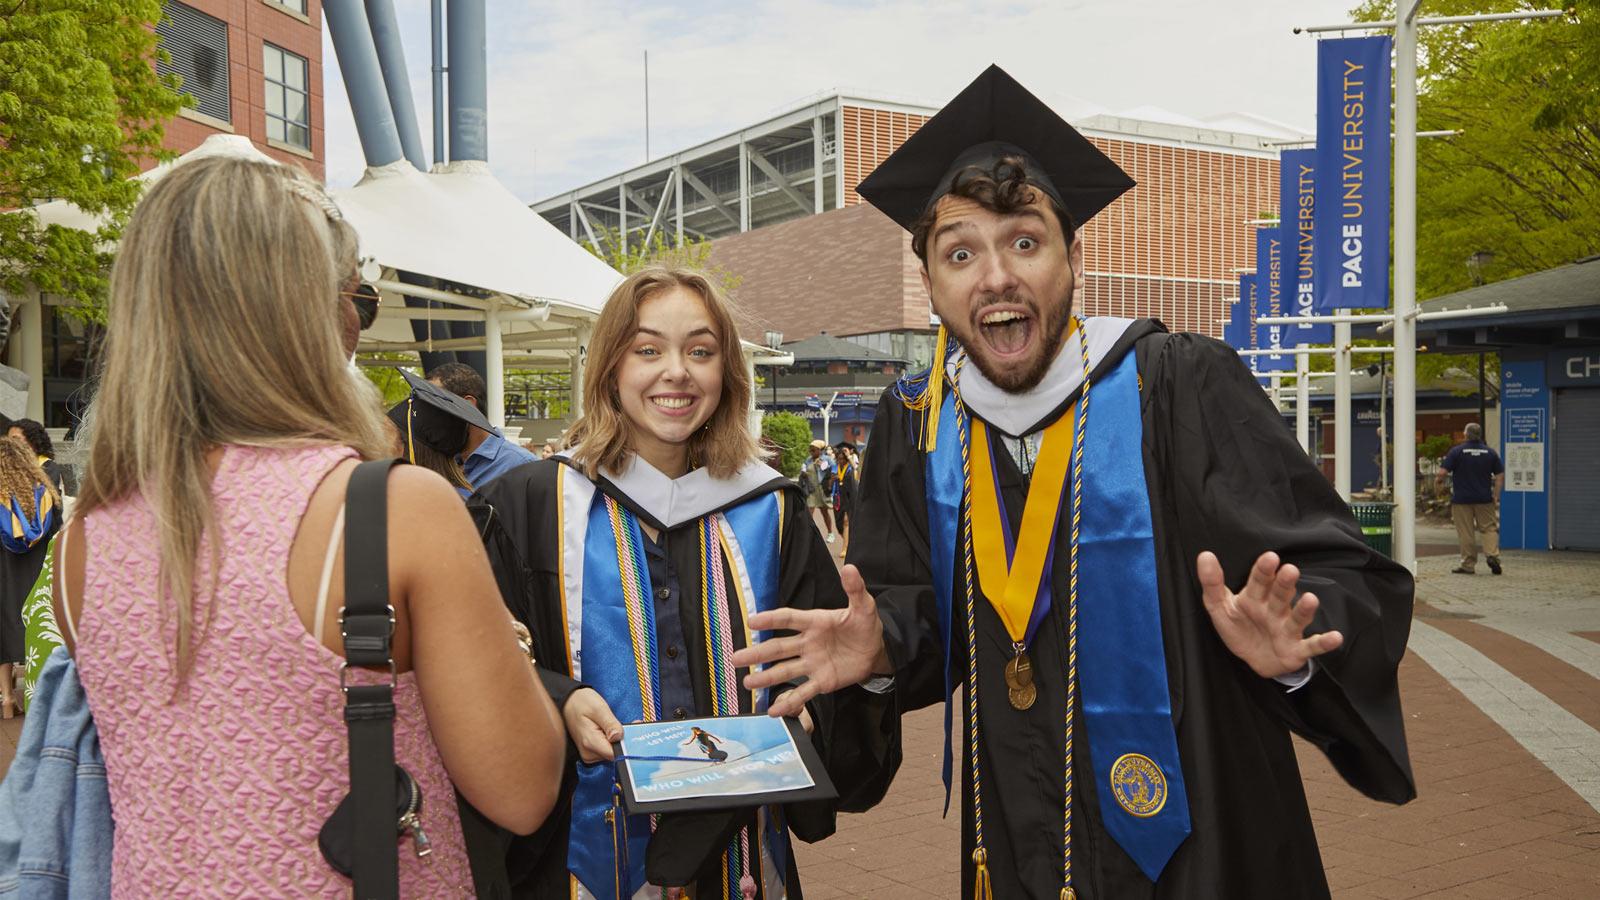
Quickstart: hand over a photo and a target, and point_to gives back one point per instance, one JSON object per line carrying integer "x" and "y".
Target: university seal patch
{"x": 1139, "y": 785}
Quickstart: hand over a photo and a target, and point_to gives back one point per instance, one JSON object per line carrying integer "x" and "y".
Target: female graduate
{"x": 635, "y": 557}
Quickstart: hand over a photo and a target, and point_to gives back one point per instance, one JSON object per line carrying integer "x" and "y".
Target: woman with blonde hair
{"x": 32, "y": 515}
{"x": 200, "y": 581}
{"x": 636, "y": 557}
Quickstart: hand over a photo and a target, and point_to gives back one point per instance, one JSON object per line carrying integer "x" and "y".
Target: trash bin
{"x": 1377, "y": 524}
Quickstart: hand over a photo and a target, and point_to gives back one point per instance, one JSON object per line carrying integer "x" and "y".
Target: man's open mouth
{"x": 1006, "y": 331}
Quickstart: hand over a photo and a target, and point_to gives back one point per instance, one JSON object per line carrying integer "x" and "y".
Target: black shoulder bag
{"x": 360, "y": 838}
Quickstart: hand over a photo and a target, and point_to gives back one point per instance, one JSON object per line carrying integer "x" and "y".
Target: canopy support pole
{"x": 495, "y": 366}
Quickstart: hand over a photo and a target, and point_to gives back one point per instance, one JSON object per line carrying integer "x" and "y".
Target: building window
{"x": 288, "y": 101}
{"x": 197, "y": 45}
{"x": 298, "y": 6}
{"x": 70, "y": 346}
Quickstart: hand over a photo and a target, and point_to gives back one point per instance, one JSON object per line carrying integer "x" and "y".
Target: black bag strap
{"x": 367, "y": 624}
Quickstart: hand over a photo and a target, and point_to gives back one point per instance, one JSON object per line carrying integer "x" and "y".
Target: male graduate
{"x": 1105, "y": 534}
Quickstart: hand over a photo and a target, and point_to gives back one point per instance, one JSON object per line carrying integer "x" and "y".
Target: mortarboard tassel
{"x": 930, "y": 420}
{"x": 982, "y": 888}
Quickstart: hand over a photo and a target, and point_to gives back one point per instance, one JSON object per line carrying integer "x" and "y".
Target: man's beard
{"x": 1013, "y": 379}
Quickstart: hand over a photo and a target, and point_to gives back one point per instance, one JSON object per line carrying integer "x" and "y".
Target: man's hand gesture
{"x": 1263, "y": 624}
{"x": 830, "y": 648}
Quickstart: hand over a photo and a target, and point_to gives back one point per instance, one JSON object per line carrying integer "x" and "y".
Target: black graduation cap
{"x": 435, "y": 417}
{"x": 992, "y": 118}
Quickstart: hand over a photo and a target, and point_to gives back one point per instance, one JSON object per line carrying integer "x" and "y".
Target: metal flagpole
{"x": 1405, "y": 287}
{"x": 1341, "y": 409}
{"x": 1405, "y": 250}
{"x": 1302, "y": 399}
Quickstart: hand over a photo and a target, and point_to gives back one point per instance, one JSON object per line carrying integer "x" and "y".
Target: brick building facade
{"x": 251, "y": 68}
{"x": 272, "y": 76}
{"x": 1172, "y": 248}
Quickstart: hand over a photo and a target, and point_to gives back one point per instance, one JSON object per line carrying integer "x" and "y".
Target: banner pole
{"x": 1405, "y": 290}
{"x": 1302, "y": 399}
{"x": 1341, "y": 410}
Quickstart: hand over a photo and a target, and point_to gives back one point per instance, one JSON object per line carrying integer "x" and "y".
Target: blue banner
{"x": 1244, "y": 314}
{"x": 1269, "y": 301}
{"x": 1236, "y": 330}
{"x": 1297, "y": 204}
{"x": 1352, "y": 174}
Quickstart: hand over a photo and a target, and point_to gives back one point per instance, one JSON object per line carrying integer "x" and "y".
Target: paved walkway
{"x": 1501, "y": 689}
{"x": 1502, "y": 697}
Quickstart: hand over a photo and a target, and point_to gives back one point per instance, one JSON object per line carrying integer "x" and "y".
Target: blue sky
{"x": 566, "y": 80}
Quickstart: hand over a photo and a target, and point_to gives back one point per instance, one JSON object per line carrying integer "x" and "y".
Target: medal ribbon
{"x": 1014, "y": 575}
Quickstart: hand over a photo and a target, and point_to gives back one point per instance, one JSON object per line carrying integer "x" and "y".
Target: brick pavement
{"x": 1493, "y": 818}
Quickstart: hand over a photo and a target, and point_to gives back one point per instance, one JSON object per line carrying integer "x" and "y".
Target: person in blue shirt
{"x": 1476, "y": 475}
{"x": 487, "y": 455}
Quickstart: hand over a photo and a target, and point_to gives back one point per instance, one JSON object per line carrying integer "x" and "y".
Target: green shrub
{"x": 1435, "y": 447}
{"x": 792, "y": 436}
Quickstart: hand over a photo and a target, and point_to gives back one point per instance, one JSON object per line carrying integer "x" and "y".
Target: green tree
{"x": 693, "y": 253}
{"x": 80, "y": 107}
{"x": 1520, "y": 180}
{"x": 390, "y": 383}
{"x": 792, "y": 435}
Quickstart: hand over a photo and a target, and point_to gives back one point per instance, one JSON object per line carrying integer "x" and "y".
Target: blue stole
{"x": 24, "y": 530}
{"x": 1122, "y": 669}
{"x": 609, "y": 665}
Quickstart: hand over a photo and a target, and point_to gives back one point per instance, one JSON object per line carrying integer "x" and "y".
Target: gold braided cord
{"x": 1080, "y": 426}
{"x": 982, "y": 887}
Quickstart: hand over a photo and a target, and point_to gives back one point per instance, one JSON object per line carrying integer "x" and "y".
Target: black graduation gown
{"x": 524, "y": 550}
{"x": 1223, "y": 474}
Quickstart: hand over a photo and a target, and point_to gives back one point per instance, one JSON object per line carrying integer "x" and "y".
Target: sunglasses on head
{"x": 366, "y": 300}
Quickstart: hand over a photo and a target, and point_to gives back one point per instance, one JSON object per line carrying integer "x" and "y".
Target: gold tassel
{"x": 982, "y": 888}
{"x": 930, "y": 420}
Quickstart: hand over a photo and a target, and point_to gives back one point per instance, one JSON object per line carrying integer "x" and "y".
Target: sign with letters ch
{"x": 1351, "y": 222}
{"x": 1574, "y": 367}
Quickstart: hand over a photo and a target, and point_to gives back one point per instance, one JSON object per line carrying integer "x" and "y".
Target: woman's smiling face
{"x": 670, "y": 381}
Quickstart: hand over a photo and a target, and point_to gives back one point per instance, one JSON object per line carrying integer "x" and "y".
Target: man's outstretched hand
{"x": 1263, "y": 624}
{"x": 830, "y": 648}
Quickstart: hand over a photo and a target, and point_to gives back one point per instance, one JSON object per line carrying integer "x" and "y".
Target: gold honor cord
{"x": 1081, "y": 415}
{"x": 983, "y": 888}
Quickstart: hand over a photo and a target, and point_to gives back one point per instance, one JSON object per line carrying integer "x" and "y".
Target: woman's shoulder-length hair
{"x": 601, "y": 437}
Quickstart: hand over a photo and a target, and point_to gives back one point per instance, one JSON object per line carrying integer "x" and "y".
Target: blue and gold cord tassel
{"x": 982, "y": 886}
{"x": 930, "y": 426}
{"x": 1080, "y": 427}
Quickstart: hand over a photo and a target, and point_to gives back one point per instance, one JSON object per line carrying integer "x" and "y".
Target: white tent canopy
{"x": 460, "y": 224}
{"x": 504, "y": 265}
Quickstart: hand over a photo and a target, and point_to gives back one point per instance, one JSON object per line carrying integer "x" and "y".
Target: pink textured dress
{"x": 219, "y": 789}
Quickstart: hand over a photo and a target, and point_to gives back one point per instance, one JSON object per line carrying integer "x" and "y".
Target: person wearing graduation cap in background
{"x": 487, "y": 454}
{"x": 432, "y": 424}
{"x": 1104, "y": 532}
{"x": 636, "y": 558}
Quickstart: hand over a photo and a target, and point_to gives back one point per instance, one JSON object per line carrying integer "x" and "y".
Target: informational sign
{"x": 1525, "y": 466}
{"x": 1352, "y": 173}
{"x": 1297, "y": 190}
{"x": 1525, "y": 424}
{"x": 1524, "y": 430}
{"x": 1269, "y": 300}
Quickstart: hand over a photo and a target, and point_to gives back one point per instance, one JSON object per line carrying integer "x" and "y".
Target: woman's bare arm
{"x": 499, "y": 735}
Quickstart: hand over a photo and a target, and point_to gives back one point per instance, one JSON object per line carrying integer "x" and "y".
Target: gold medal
{"x": 1019, "y": 680}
